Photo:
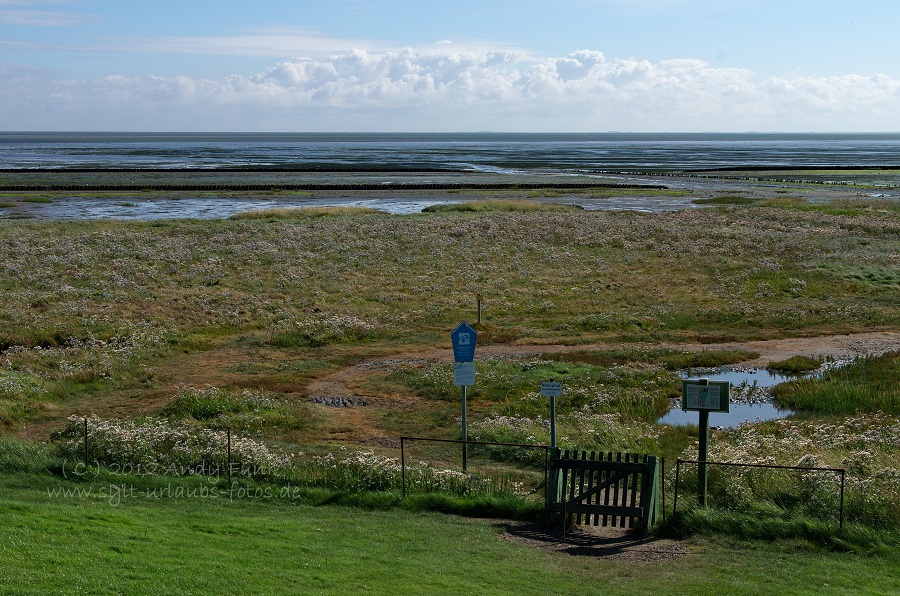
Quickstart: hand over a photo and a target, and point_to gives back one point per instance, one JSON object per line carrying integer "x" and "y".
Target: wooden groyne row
{"x": 752, "y": 178}
{"x": 314, "y": 187}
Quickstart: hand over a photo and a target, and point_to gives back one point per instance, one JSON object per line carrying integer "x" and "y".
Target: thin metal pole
{"x": 677, "y": 472}
{"x": 403, "y": 466}
{"x": 229, "y": 454}
{"x": 85, "y": 444}
{"x": 547, "y": 482}
{"x": 842, "y": 499}
{"x": 465, "y": 432}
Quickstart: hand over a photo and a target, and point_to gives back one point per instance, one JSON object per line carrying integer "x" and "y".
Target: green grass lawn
{"x": 140, "y": 544}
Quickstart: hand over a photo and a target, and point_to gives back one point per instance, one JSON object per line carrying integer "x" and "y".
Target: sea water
{"x": 320, "y": 158}
{"x": 491, "y": 152}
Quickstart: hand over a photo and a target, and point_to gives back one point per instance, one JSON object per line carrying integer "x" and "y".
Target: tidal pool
{"x": 751, "y": 398}
{"x": 738, "y": 413}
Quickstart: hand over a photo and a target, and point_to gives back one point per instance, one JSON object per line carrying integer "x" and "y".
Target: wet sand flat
{"x": 639, "y": 192}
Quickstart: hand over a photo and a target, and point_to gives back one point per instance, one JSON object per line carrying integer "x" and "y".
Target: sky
{"x": 450, "y": 65}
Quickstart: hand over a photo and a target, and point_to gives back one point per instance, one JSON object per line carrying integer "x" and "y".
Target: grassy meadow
{"x": 174, "y": 336}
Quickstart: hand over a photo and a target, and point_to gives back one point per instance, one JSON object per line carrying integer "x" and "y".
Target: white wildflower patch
{"x": 366, "y": 471}
{"x": 87, "y": 359}
{"x": 17, "y": 386}
{"x": 322, "y": 329}
{"x": 156, "y": 446}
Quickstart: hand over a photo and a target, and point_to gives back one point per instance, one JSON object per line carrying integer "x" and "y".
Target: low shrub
{"x": 795, "y": 365}
{"x": 321, "y": 330}
{"x": 870, "y": 384}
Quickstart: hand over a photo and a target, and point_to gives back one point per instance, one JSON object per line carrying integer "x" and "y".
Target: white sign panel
{"x": 551, "y": 389}
{"x": 703, "y": 398}
{"x": 463, "y": 373}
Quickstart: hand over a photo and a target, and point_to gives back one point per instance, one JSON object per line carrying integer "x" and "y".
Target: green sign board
{"x": 702, "y": 394}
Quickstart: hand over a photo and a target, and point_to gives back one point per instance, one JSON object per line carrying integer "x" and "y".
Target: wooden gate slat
{"x": 571, "y": 494}
{"x": 606, "y": 495}
{"x": 616, "y": 492}
{"x": 634, "y": 490}
{"x": 581, "y": 479}
{"x": 626, "y": 491}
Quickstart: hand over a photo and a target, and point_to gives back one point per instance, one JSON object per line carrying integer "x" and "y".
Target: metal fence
{"x": 464, "y": 445}
{"x": 840, "y": 471}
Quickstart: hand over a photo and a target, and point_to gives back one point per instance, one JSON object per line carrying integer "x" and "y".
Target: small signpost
{"x": 464, "y": 339}
{"x": 552, "y": 389}
{"x": 704, "y": 396}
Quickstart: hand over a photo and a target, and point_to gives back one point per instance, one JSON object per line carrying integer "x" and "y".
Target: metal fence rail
{"x": 404, "y": 440}
{"x": 840, "y": 471}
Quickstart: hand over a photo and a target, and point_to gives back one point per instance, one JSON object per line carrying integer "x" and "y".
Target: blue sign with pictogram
{"x": 463, "y": 339}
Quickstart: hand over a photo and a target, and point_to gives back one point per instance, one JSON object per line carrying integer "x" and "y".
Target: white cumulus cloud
{"x": 447, "y": 88}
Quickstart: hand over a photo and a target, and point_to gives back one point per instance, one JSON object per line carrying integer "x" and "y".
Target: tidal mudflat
{"x": 644, "y": 193}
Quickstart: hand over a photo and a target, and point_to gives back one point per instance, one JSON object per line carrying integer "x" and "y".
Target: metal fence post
{"x": 842, "y": 499}
{"x": 403, "y": 466}
{"x": 85, "y": 443}
{"x": 677, "y": 472}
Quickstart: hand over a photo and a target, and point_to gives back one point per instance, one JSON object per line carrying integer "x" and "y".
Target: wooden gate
{"x": 609, "y": 489}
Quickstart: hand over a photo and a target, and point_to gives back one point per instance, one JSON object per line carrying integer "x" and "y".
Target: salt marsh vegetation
{"x": 129, "y": 318}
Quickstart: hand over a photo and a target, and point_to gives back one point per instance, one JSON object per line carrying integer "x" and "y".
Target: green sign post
{"x": 704, "y": 396}
{"x": 553, "y": 389}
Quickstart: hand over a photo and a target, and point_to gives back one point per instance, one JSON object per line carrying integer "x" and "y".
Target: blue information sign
{"x": 463, "y": 339}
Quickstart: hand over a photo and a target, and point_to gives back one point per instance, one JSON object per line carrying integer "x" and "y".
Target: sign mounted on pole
{"x": 463, "y": 339}
{"x": 702, "y": 394}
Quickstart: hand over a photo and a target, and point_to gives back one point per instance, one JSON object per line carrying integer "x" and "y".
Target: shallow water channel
{"x": 141, "y": 207}
{"x": 743, "y": 406}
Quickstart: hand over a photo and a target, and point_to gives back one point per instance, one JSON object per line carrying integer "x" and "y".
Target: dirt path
{"x": 830, "y": 346}
{"x": 336, "y": 389}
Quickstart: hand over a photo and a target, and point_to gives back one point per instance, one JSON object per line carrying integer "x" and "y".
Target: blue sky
{"x": 361, "y": 65}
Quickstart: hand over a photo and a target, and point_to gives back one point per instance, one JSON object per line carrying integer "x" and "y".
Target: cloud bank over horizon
{"x": 444, "y": 88}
